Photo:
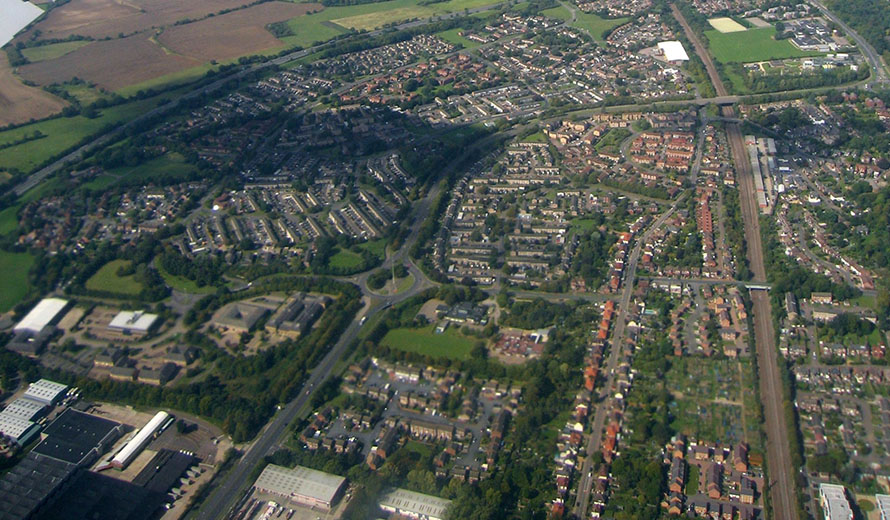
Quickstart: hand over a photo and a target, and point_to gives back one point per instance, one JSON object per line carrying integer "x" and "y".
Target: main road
{"x": 874, "y": 59}
{"x": 781, "y": 486}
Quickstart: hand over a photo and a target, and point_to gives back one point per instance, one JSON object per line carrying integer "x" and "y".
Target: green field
{"x": 450, "y": 344}
{"x": 334, "y": 21}
{"x": 14, "y": 283}
{"x": 182, "y": 284}
{"x": 171, "y": 166}
{"x": 375, "y": 247}
{"x": 107, "y": 279}
{"x": 84, "y": 94}
{"x": 52, "y": 51}
{"x": 752, "y": 45}
{"x": 345, "y": 259}
{"x": 452, "y": 36}
{"x": 64, "y": 132}
{"x": 595, "y": 25}
{"x": 8, "y": 220}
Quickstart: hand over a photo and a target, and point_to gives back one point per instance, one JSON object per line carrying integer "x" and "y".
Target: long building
{"x": 303, "y": 486}
{"x": 44, "y": 313}
{"x": 833, "y": 499}
{"x": 883, "y": 506}
{"x": 414, "y": 505}
{"x": 140, "y": 441}
{"x": 45, "y": 392}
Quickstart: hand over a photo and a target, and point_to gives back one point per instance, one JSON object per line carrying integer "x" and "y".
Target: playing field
{"x": 751, "y": 45}
{"x": 14, "y": 282}
{"x": 106, "y": 279}
{"x": 450, "y": 344}
{"x": 726, "y": 25}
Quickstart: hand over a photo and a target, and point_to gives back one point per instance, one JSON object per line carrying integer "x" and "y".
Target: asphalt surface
{"x": 781, "y": 485}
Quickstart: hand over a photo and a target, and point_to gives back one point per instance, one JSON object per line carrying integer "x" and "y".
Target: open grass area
{"x": 64, "y": 132}
{"x": 597, "y": 26}
{"x": 345, "y": 259}
{"x": 52, "y": 51}
{"x": 375, "y": 247}
{"x": 450, "y": 344}
{"x": 107, "y": 279}
{"x": 8, "y": 220}
{"x": 334, "y": 21}
{"x": 14, "y": 283}
{"x": 176, "y": 78}
{"x": 752, "y": 45}
{"x": 181, "y": 284}
{"x": 171, "y": 166}
{"x": 453, "y": 36}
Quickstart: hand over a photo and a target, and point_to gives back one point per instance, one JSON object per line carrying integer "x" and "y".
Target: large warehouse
{"x": 414, "y": 505}
{"x": 46, "y": 392}
{"x": 44, "y": 313}
{"x": 301, "y": 485}
{"x": 133, "y": 322}
{"x": 140, "y": 441}
{"x": 18, "y": 429}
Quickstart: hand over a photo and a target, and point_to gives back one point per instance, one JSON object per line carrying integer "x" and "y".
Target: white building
{"x": 834, "y": 502}
{"x": 303, "y": 486}
{"x": 43, "y": 314}
{"x": 140, "y": 441}
{"x": 414, "y": 505}
{"x": 45, "y": 391}
{"x": 25, "y": 408}
{"x": 133, "y": 322}
{"x": 673, "y": 51}
{"x": 17, "y": 429}
{"x": 883, "y": 506}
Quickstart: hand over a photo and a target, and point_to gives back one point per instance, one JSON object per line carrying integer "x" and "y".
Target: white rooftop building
{"x": 302, "y": 485}
{"x": 883, "y": 506}
{"x": 17, "y": 429}
{"x": 138, "y": 322}
{"x": 25, "y": 408}
{"x": 834, "y": 502}
{"x": 45, "y": 391}
{"x": 43, "y": 314}
{"x": 673, "y": 51}
{"x": 414, "y": 505}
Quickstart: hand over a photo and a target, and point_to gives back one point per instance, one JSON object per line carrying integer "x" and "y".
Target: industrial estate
{"x": 444, "y": 259}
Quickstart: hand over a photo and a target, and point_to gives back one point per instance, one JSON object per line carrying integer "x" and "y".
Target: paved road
{"x": 616, "y": 346}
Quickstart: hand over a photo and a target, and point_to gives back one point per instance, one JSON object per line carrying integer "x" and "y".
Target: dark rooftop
{"x": 73, "y": 435}
{"x": 164, "y": 470}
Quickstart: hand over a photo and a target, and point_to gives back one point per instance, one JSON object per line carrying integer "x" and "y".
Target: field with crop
{"x": 20, "y": 103}
{"x": 751, "y": 45}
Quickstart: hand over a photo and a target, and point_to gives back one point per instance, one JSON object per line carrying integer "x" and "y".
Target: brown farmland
{"x": 111, "y": 64}
{"x": 101, "y": 18}
{"x": 233, "y": 34}
{"x": 20, "y": 103}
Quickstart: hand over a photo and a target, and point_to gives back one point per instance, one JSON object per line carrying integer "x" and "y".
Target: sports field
{"x": 726, "y": 25}
{"x": 450, "y": 344}
{"x": 107, "y": 279}
{"x": 751, "y": 45}
{"x": 14, "y": 282}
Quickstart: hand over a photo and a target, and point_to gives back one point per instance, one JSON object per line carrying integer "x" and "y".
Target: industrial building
{"x": 140, "y": 440}
{"x": 883, "y": 506}
{"x": 26, "y": 409}
{"x": 78, "y": 438}
{"x": 414, "y": 505}
{"x": 239, "y": 317}
{"x": 833, "y": 499}
{"x": 673, "y": 51}
{"x": 302, "y": 486}
{"x": 21, "y": 431}
{"x": 297, "y": 315}
{"x": 46, "y": 392}
{"x": 137, "y": 323}
{"x": 45, "y": 313}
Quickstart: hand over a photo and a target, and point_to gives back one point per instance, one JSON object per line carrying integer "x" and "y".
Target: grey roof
{"x": 300, "y": 482}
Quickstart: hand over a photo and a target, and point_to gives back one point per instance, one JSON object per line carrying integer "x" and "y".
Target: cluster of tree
{"x": 870, "y": 19}
{"x": 591, "y": 258}
{"x": 535, "y": 314}
{"x": 656, "y": 192}
{"x": 845, "y": 324}
{"x": 757, "y": 83}
{"x": 204, "y": 270}
{"x": 379, "y": 278}
{"x": 735, "y": 233}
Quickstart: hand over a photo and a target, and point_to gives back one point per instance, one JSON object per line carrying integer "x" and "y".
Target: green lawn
{"x": 334, "y": 21}
{"x": 376, "y": 247}
{"x": 14, "y": 283}
{"x": 752, "y": 45}
{"x": 597, "y": 26}
{"x": 107, "y": 279}
{"x": 182, "y": 284}
{"x": 52, "y": 51}
{"x": 452, "y": 36}
{"x": 345, "y": 259}
{"x": 692, "y": 482}
{"x": 450, "y": 344}
{"x": 64, "y": 132}
{"x": 171, "y": 166}
{"x": 175, "y": 78}
{"x": 8, "y": 220}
